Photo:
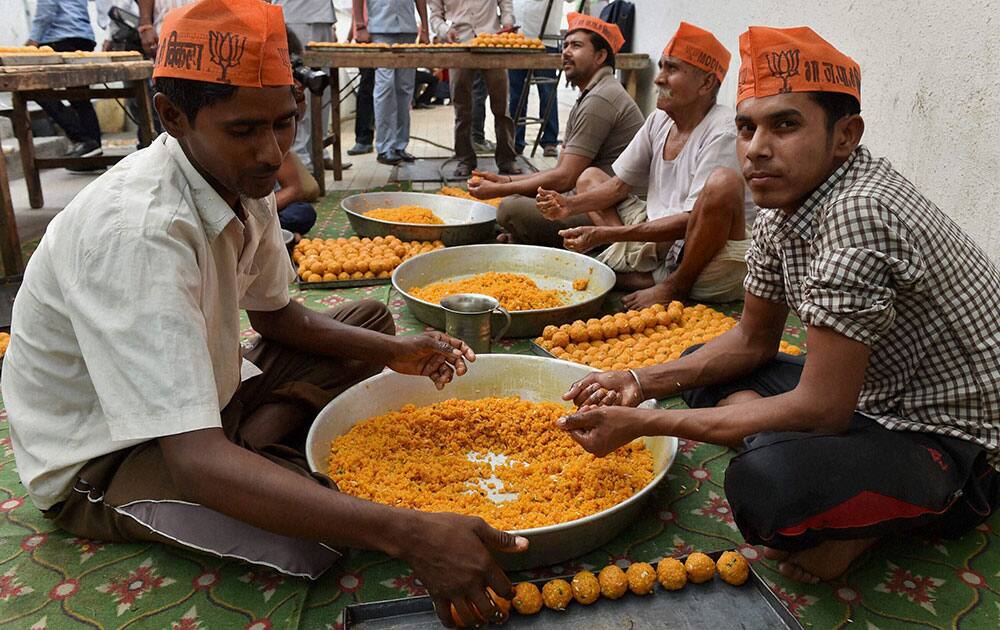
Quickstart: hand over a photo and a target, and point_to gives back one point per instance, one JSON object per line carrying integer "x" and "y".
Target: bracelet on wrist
{"x": 642, "y": 394}
{"x": 145, "y": 27}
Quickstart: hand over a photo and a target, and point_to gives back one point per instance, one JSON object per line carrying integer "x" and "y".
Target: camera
{"x": 314, "y": 80}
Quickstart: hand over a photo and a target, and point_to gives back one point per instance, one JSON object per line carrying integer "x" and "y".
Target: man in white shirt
{"x": 133, "y": 416}
{"x": 689, "y": 238}
{"x": 460, "y": 21}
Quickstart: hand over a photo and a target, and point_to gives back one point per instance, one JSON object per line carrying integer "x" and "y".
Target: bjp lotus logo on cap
{"x": 226, "y": 50}
{"x": 783, "y": 64}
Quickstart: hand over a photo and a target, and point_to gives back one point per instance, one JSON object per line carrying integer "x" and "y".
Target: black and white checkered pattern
{"x": 870, "y": 257}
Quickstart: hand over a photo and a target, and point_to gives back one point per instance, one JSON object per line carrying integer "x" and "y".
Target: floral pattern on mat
{"x": 49, "y": 579}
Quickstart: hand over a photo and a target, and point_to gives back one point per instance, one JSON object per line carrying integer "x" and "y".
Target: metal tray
{"x": 715, "y": 604}
{"x": 341, "y": 284}
{"x": 550, "y": 268}
{"x": 465, "y": 221}
{"x": 532, "y": 378}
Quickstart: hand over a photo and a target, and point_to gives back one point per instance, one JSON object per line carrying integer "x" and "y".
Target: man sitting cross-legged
{"x": 602, "y": 122}
{"x": 688, "y": 239}
{"x": 133, "y": 416}
{"x": 891, "y": 423}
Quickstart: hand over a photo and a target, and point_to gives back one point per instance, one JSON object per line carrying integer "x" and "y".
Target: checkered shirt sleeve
{"x": 850, "y": 285}
{"x": 765, "y": 273}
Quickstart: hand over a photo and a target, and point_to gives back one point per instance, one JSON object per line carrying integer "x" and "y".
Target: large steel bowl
{"x": 550, "y": 268}
{"x": 465, "y": 221}
{"x": 533, "y": 378}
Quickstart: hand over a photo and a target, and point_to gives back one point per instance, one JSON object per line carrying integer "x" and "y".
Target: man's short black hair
{"x": 836, "y": 105}
{"x": 191, "y": 96}
{"x": 599, "y": 45}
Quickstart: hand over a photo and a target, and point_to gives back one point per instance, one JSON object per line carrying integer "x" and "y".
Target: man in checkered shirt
{"x": 892, "y": 423}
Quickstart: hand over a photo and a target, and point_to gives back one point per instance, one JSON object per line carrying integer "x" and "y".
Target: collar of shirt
{"x": 214, "y": 212}
{"x": 600, "y": 75}
{"x": 802, "y": 222}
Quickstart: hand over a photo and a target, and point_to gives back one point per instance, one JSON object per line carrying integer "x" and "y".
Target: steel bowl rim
{"x": 423, "y": 225}
{"x": 408, "y": 295}
{"x": 556, "y": 527}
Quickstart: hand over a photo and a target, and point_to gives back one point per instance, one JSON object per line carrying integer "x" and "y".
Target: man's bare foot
{"x": 632, "y": 280}
{"x": 824, "y": 562}
{"x": 656, "y": 294}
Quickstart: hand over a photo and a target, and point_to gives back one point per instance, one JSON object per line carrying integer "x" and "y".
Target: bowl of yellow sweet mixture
{"x": 487, "y": 445}
{"x": 421, "y": 217}
{"x": 540, "y": 286}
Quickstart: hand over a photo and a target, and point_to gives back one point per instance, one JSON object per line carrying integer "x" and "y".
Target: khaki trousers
{"x": 461, "y": 97}
{"x": 129, "y": 496}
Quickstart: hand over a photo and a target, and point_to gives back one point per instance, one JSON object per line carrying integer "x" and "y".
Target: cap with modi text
{"x": 608, "y": 32}
{"x": 699, "y": 48}
{"x": 781, "y": 60}
{"x": 236, "y": 42}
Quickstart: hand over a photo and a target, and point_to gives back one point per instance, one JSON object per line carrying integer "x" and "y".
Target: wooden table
{"x": 70, "y": 81}
{"x": 334, "y": 58}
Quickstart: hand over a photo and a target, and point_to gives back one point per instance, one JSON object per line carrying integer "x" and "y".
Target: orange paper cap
{"x": 699, "y": 48}
{"x": 780, "y": 60}
{"x": 239, "y": 42}
{"x": 608, "y": 32}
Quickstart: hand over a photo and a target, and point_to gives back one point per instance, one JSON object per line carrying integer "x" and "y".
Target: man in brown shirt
{"x": 600, "y": 126}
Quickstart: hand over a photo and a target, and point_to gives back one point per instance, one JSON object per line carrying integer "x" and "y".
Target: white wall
{"x": 930, "y": 91}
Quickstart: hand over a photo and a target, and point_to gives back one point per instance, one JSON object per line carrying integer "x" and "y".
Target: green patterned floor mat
{"x": 52, "y": 580}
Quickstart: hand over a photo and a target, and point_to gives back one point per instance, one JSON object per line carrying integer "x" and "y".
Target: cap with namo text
{"x": 699, "y": 48}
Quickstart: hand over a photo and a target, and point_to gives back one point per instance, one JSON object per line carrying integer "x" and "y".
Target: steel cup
{"x": 469, "y": 317}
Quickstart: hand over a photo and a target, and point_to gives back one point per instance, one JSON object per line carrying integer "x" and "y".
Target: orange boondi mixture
{"x": 420, "y": 458}
{"x": 406, "y": 214}
{"x": 515, "y": 292}
{"x": 454, "y": 191}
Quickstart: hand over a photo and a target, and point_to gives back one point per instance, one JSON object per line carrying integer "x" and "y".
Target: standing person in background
{"x": 311, "y": 21}
{"x": 530, "y": 14}
{"x": 364, "y": 112}
{"x": 460, "y": 21}
{"x": 480, "y": 143}
{"x": 64, "y": 25}
{"x": 392, "y": 22}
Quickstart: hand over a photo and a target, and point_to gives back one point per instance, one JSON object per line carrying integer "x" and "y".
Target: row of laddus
{"x": 612, "y": 582}
{"x": 354, "y": 258}
{"x": 636, "y": 339}
{"x": 505, "y": 40}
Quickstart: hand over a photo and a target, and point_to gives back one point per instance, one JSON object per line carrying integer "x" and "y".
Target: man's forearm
{"x": 730, "y": 424}
{"x": 528, "y": 184}
{"x": 733, "y": 354}
{"x": 146, "y": 11}
{"x": 607, "y": 195}
{"x": 422, "y": 14}
{"x": 661, "y": 230}
{"x": 310, "y": 331}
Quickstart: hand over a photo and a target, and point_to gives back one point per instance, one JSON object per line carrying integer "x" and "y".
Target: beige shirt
{"x": 469, "y": 17}
{"x": 126, "y": 327}
{"x": 602, "y": 122}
